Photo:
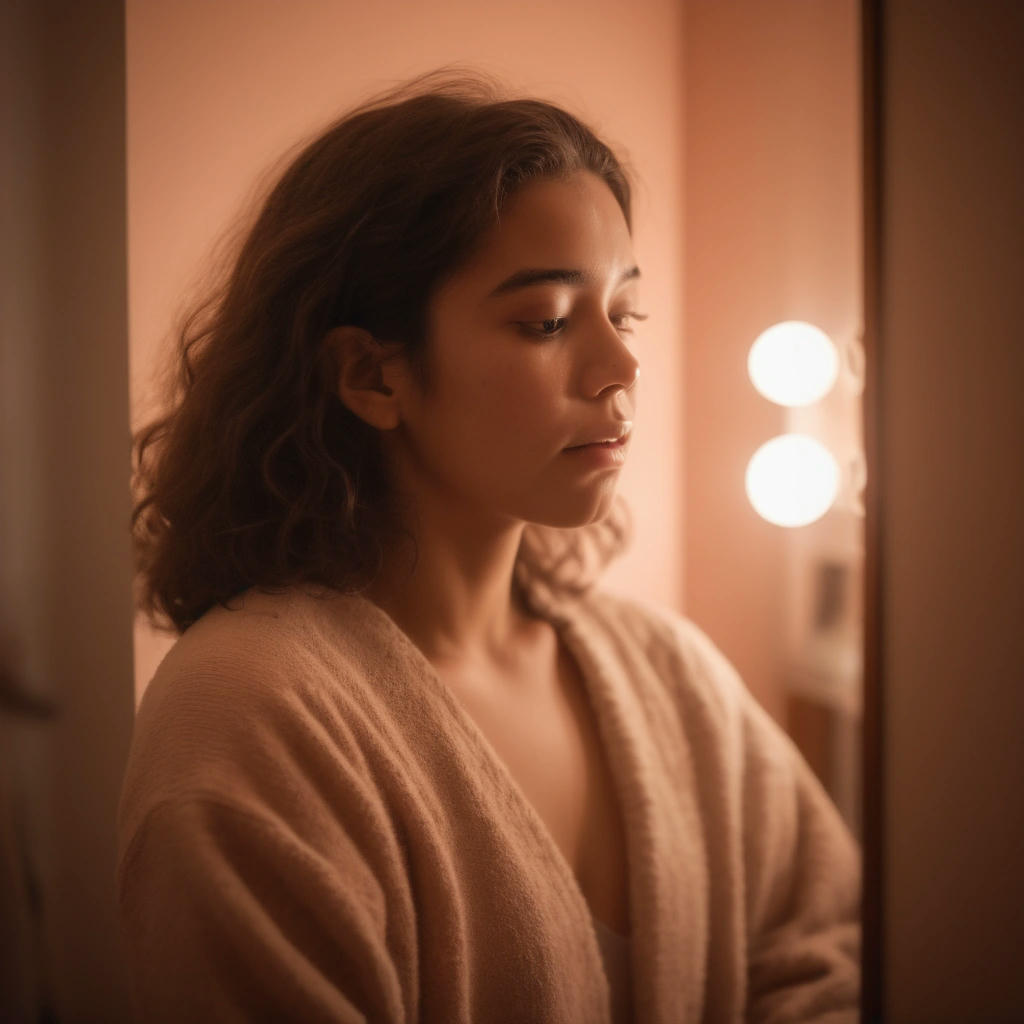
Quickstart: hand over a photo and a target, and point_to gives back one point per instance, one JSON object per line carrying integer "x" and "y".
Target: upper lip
{"x": 617, "y": 432}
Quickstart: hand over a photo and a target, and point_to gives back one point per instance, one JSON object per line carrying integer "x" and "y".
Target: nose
{"x": 612, "y": 366}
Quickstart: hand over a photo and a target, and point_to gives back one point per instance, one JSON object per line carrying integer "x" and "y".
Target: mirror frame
{"x": 872, "y": 788}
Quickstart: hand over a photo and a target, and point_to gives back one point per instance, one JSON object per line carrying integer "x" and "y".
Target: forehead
{"x": 575, "y": 223}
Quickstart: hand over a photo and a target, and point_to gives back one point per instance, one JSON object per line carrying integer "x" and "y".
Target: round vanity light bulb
{"x": 793, "y": 363}
{"x": 792, "y": 480}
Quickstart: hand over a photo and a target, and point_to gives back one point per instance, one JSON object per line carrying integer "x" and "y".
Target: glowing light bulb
{"x": 793, "y": 363}
{"x": 792, "y": 480}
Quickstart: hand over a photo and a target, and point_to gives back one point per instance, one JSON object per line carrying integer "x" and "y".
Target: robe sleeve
{"x": 802, "y": 874}
{"x": 801, "y": 866}
{"x": 260, "y": 876}
{"x": 803, "y": 886}
{"x": 228, "y": 915}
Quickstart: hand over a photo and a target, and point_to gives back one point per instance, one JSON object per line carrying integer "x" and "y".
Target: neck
{"x": 452, "y": 594}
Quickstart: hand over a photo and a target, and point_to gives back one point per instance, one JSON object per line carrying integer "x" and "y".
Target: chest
{"x": 547, "y": 737}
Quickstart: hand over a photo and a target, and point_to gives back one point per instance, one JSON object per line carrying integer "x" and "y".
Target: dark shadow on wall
{"x": 65, "y": 570}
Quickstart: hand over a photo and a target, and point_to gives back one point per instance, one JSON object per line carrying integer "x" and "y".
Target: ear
{"x": 370, "y": 374}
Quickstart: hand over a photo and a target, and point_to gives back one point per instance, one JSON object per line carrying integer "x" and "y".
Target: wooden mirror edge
{"x": 872, "y": 753}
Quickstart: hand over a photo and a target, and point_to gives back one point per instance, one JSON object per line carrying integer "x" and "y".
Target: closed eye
{"x": 629, "y": 316}
{"x": 554, "y": 326}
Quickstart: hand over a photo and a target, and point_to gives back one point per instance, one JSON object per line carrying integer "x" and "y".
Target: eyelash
{"x": 527, "y": 325}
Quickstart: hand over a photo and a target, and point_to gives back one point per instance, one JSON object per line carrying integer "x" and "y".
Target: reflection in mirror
{"x": 826, "y": 557}
{"x": 737, "y": 119}
{"x": 497, "y": 769}
{"x": 775, "y": 523}
{"x": 810, "y": 479}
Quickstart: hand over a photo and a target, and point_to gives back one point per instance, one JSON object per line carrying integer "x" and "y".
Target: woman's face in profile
{"x": 522, "y": 373}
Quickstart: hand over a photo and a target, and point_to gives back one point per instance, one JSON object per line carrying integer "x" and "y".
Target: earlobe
{"x": 366, "y": 376}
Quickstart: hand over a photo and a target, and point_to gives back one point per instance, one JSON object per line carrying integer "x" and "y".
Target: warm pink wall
{"x": 772, "y": 233}
{"x": 217, "y": 92}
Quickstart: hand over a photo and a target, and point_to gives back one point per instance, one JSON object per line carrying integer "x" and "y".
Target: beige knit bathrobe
{"x": 312, "y": 829}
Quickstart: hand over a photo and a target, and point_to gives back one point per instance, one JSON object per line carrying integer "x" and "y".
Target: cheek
{"x": 525, "y": 407}
{"x": 518, "y": 397}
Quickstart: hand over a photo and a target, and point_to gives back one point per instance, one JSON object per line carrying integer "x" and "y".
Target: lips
{"x": 598, "y": 444}
{"x": 614, "y": 437}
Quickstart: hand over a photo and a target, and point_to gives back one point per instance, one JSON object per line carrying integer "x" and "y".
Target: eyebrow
{"x": 536, "y": 275}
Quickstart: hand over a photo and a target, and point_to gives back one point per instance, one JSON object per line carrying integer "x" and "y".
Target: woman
{"x": 406, "y": 762}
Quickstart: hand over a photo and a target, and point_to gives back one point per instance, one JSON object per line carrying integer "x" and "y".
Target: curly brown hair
{"x": 256, "y": 474}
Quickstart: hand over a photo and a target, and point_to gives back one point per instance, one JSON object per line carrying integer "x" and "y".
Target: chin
{"x": 571, "y": 513}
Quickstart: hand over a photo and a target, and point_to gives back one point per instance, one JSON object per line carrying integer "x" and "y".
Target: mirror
{"x": 741, "y": 121}
{"x": 746, "y": 146}
{"x": 773, "y": 235}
